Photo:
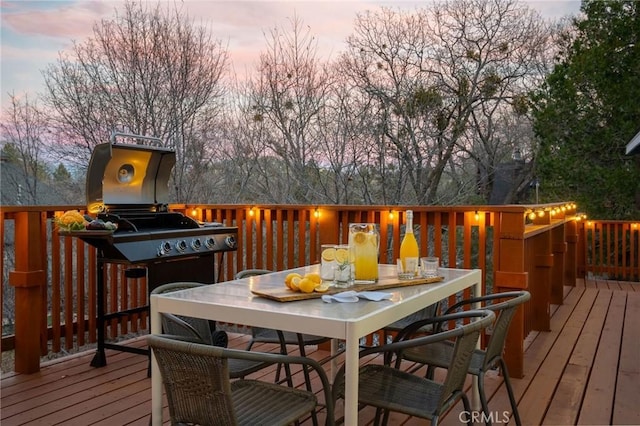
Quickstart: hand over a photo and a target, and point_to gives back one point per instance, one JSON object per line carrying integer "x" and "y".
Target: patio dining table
{"x": 234, "y": 302}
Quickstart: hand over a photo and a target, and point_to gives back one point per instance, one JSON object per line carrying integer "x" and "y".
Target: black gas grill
{"x": 127, "y": 181}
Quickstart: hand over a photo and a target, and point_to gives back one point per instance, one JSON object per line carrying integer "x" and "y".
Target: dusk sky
{"x": 33, "y": 32}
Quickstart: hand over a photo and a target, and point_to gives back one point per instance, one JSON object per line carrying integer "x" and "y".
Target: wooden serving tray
{"x": 286, "y": 295}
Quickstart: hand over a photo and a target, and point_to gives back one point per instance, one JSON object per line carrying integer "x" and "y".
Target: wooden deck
{"x": 586, "y": 370}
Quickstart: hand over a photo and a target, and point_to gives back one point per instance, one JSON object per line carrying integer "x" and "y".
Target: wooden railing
{"x": 611, "y": 250}
{"x": 516, "y": 247}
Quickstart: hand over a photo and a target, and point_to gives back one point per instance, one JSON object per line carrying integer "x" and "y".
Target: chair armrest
{"x": 484, "y": 299}
{"x": 175, "y": 326}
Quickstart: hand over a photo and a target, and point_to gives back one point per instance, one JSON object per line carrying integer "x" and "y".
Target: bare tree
{"x": 24, "y": 132}
{"x": 149, "y": 71}
{"x": 441, "y": 78}
{"x": 287, "y": 96}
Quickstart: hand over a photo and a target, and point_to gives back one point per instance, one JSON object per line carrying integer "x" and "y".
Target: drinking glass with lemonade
{"x": 336, "y": 266}
{"x": 364, "y": 244}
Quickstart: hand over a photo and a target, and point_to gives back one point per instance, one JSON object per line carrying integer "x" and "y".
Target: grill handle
{"x": 152, "y": 140}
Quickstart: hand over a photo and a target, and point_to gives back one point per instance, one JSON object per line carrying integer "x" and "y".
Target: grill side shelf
{"x": 87, "y": 233}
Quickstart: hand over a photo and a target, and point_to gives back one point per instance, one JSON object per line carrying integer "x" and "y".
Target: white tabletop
{"x": 233, "y": 302}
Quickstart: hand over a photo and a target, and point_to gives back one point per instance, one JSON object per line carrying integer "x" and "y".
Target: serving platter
{"x": 287, "y": 295}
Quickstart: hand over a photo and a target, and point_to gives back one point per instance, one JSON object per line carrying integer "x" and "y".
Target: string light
{"x": 316, "y": 213}
{"x": 532, "y": 215}
{"x": 390, "y": 214}
{"x": 251, "y": 211}
{"x": 477, "y": 216}
{"x": 194, "y": 212}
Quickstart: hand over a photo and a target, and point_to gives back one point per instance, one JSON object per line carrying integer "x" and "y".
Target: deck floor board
{"x": 626, "y": 409}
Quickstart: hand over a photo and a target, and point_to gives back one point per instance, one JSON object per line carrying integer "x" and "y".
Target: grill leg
{"x": 99, "y": 359}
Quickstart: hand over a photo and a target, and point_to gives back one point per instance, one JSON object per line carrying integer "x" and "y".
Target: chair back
{"x": 196, "y": 381}
{"x": 465, "y": 343}
{"x": 505, "y": 311}
{"x": 252, "y": 272}
{"x": 179, "y": 325}
{"x": 505, "y": 306}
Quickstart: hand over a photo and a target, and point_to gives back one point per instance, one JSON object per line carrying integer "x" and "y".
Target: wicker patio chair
{"x": 390, "y": 389}
{"x": 199, "y": 391}
{"x": 440, "y": 354}
{"x": 425, "y": 313}
{"x": 283, "y": 338}
{"x": 202, "y": 331}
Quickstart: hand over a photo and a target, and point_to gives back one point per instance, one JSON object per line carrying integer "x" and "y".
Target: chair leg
{"x": 467, "y": 407}
{"x": 376, "y": 420}
{"x": 287, "y": 368}
{"x": 512, "y": 398}
{"x": 385, "y": 417}
{"x": 307, "y": 377}
{"x": 250, "y": 345}
{"x": 430, "y": 372}
{"x": 483, "y": 398}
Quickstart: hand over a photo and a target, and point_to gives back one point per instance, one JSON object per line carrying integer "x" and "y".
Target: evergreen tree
{"x": 588, "y": 111}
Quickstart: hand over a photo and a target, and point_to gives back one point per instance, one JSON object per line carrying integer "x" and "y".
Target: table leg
{"x": 156, "y": 380}
{"x": 351, "y": 380}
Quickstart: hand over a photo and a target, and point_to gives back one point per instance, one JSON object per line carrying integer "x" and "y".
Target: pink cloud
{"x": 68, "y": 21}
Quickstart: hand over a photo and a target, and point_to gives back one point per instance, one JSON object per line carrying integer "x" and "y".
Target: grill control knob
{"x": 196, "y": 244}
{"x": 230, "y": 241}
{"x": 164, "y": 248}
{"x": 181, "y": 246}
{"x": 209, "y": 243}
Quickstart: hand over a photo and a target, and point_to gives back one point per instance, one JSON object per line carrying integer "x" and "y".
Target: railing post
{"x": 514, "y": 344}
{"x": 328, "y": 227}
{"x": 29, "y": 281}
{"x": 582, "y": 250}
{"x": 510, "y": 275}
{"x": 559, "y": 249}
{"x": 540, "y": 282}
{"x": 571, "y": 257}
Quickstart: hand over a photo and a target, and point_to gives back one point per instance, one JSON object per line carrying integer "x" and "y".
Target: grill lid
{"x": 132, "y": 174}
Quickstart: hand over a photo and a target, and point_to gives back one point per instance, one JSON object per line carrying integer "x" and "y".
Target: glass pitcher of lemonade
{"x": 364, "y": 243}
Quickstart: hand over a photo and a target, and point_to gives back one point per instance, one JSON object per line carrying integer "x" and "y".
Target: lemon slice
{"x": 291, "y": 276}
{"x": 342, "y": 255}
{"x": 294, "y": 284}
{"x": 360, "y": 238}
{"x": 322, "y": 288}
{"x": 329, "y": 254}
